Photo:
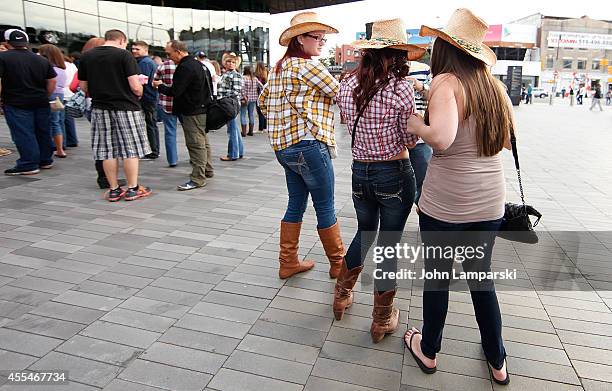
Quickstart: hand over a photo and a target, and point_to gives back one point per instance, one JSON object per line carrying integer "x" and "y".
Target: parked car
{"x": 539, "y": 92}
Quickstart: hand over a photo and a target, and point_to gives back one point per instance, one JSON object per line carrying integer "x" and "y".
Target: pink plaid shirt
{"x": 165, "y": 73}
{"x": 251, "y": 87}
{"x": 382, "y": 131}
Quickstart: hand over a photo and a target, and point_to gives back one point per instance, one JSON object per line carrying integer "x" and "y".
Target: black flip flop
{"x": 420, "y": 363}
{"x": 504, "y": 382}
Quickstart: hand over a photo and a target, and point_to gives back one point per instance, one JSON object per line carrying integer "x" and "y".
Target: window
{"x": 348, "y": 52}
{"x": 595, "y": 65}
{"x": 11, "y": 13}
{"x": 45, "y": 24}
{"x": 567, "y": 63}
{"x": 163, "y": 28}
{"x": 549, "y": 62}
{"x": 139, "y": 20}
{"x": 581, "y": 64}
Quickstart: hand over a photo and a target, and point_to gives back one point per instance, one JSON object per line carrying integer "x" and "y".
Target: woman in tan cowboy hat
{"x": 297, "y": 102}
{"x": 467, "y": 123}
{"x": 376, "y": 101}
{"x": 230, "y": 84}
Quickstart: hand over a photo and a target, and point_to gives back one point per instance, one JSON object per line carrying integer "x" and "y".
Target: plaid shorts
{"x": 118, "y": 134}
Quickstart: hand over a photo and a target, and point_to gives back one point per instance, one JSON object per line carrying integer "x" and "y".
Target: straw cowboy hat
{"x": 303, "y": 23}
{"x": 466, "y": 31}
{"x": 390, "y": 34}
{"x": 231, "y": 55}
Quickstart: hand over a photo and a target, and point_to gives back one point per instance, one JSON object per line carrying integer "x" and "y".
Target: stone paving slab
{"x": 180, "y": 291}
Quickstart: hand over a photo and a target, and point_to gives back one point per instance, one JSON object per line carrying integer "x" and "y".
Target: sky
{"x": 352, "y": 17}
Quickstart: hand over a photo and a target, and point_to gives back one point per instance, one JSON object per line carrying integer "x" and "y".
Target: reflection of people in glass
{"x": 251, "y": 86}
{"x": 261, "y": 73}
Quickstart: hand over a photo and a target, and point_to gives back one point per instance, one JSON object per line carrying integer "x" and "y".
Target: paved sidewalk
{"x": 180, "y": 291}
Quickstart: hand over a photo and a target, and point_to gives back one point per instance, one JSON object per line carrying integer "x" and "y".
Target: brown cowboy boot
{"x": 334, "y": 249}
{"x": 243, "y": 130}
{"x": 251, "y": 126}
{"x": 343, "y": 294}
{"x": 385, "y": 318}
{"x": 288, "y": 256}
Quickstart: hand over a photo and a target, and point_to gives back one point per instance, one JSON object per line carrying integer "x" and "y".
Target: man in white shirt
{"x": 201, "y": 57}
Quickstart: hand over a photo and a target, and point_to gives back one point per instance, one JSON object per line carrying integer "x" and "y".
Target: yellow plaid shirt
{"x": 298, "y": 102}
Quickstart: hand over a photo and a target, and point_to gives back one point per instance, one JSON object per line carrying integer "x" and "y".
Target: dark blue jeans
{"x": 419, "y": 158}
{"x": 435, "y": 293}
{"x": 31, "y": 133}
{"x": 309, "y": 170}
{"x": 169, "y": 121}
{"x": 382, "y": 192}
{"x": 70, "y": 132}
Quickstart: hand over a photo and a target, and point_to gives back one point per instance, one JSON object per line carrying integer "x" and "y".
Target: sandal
{"x": 61, "y": 156}
{"x": 227, "y": 159}
{"x": 420, "y": 363}
{"x": 504, "y": 382}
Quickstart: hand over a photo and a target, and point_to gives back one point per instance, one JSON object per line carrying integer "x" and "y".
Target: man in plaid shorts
{"x": 111, "y": 76}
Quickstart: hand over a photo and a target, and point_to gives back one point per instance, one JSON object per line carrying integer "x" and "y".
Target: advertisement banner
{"x": 579, "y": 40}
{"x": 494, "y": 33}
{"x": 519, "y": 33}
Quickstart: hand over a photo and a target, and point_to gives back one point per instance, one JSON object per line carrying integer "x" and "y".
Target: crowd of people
{"x": 425, "y": 135}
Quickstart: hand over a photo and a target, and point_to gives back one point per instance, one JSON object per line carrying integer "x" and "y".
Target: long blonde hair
{"x": 485, "y": 98}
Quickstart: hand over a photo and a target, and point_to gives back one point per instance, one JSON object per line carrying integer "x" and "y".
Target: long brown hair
{"x": 485, "y": 97}
{"x": 53, "y": 54}
{"x": 294, "y": 49}
{"x": 375, "y": 70}
{"x": 261, "y": 72}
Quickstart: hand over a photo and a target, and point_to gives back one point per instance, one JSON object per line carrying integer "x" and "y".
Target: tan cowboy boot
{"x": 288, "y": 256}
{"x": 334, "y": 249}
{"x": 385, "y": 318}
{"x": 343, "y": 294}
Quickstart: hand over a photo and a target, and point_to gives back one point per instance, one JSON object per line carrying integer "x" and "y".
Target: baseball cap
{"x": 201, "y": 54}
{"x": 16, "y": 38}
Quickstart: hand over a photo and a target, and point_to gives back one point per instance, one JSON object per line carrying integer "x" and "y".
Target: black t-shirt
{"x": 106, "y": 69}
{"x": 24, "y": 79}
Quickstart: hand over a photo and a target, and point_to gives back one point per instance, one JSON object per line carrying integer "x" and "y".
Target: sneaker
{"x": 137, "y": 192}
{"x": 189, "y": 186}
{"x": 20, "y": 171}
{"x": 5, "y": 152}
{"x": 150, "y": 156}
{"x": 115, "y": 195}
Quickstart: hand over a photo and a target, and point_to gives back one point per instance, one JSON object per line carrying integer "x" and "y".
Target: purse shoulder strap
{"x": 516, "y": 163}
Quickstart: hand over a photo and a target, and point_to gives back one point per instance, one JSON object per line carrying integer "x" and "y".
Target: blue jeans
{"x": 235, "y": 147}
{"x": 70, "y": 133}
{"x": 309, "y": 170}
{"x": 31, "y": 134}
{"x": 250, "y": 107}
{"x": 169, "y": 121}
{"x": 420, "y": 156}
{"x": 56, "y": 120}
{"x": 435, "y": 293}
{"x": 382, "y": 192}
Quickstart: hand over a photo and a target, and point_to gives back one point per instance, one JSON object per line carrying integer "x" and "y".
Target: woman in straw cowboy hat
{"x": 468, "y": 122}
{"x": 297, "y": 102}
{"x": 230, "y": 84}
{"x": 376, "y": 101}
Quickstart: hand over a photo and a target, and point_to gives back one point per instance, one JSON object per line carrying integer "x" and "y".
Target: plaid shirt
{"x": 382, "y": 131}
{"x": 297, "y": 102}
{"x": 251, "y": 88}
{"x": 165, "y": 73}
{"x": 230, "y": 84}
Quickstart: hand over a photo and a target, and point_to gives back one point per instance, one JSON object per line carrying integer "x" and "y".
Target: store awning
{"x": 271, "y": 6}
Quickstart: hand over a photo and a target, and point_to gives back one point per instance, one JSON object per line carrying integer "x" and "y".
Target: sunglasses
{"x": 318, "y": 39}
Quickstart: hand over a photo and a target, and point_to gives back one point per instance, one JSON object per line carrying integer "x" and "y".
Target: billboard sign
{"x": 494, "y": 33}
{"x": 579, "y": 40}
{"x": 519, "y": 33}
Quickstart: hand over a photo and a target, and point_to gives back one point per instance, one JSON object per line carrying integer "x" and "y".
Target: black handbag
{"x": 221, "y": 111}
{"x": 516, "y": 225}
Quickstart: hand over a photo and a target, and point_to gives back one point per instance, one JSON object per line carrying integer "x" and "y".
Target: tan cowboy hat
{"x": 231, "y": 55}
{"x": 466, "y": 31}
{"x": 389, "y": 34}
{"x": 303, "y": 23}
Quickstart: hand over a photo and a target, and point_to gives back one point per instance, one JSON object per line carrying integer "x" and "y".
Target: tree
{"x": 330, "y": 60}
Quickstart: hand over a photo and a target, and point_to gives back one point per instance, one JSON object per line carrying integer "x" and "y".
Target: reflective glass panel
{"x": 183, "y": 23}
{"x": 163, "y": 26}
{"x": 11, "y": 14}
{"x": 113, "y": 10}
{"x": 81, "y": 27}
{"x": 140, "y": 24}
{"x": 45, "y": 24}
{"x": 201, "y": 30}
{"x": 87, "y": 6}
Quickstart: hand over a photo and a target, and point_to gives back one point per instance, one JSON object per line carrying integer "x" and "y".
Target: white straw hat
{"x": 465, "y": 31}
{"x": 303, "y": 23}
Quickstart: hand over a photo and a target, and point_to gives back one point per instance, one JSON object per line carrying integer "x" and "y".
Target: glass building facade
{"x": 70, "y": 23}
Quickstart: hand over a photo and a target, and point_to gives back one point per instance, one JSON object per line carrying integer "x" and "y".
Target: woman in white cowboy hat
{"x": 468, "y": 122}
{"x": 376, "y": 101}
{"x": 297, "y": 102}
{"x": 230, "y": 84}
